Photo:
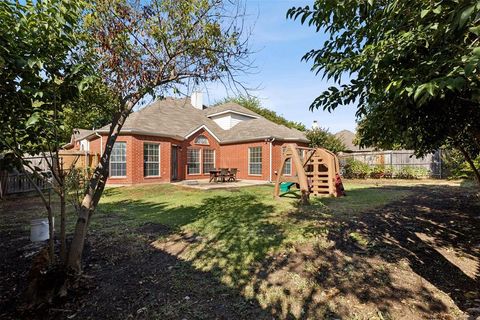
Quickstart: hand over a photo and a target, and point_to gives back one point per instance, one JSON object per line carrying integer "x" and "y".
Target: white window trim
{"x": 214, "y": 159}
{"x": 201, "y": 144}
{"x": 234, "y": 112}
{"x": 200, "y": 162}
{"x": 248, "y": 163}
{"x": 289, "y": 174}
{"x": 126, "y": 163}
{"x": 202, "y": 127}
{"x": 159, "y": 159}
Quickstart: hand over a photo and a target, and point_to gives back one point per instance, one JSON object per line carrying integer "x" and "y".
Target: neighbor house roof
{"x": 178, "y": 119}
{"x": 80, "y": 134}
{"x": 348, "y": 138}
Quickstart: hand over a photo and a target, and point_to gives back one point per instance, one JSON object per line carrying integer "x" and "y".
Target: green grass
{"x": 237, "y": 228}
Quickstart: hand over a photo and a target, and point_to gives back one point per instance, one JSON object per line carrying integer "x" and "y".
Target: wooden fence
{"x": 17, "y": 182}
{"x": 398, "y": 159}
{"x": 21, "y": 183}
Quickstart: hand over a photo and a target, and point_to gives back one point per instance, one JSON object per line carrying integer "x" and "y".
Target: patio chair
{"x": 223, "y": 175}
{"x": 232, "y": 176}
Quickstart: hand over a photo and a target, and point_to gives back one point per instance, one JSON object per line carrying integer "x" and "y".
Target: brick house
{"x": 180, "y": 139}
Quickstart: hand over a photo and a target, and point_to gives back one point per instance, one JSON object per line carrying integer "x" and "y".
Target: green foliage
{"x": 355, "y": 169}
{"x": 253, "y": 104}
{"x": 454, "y": 165}
{"x": 91, "y": 109}
{"x": 41, "y": 72}
{"x": 323, "y": 138}
{"x": 408, "y": 172}
{"x": 414, "y": 69}
{"x": 379, "y": 171}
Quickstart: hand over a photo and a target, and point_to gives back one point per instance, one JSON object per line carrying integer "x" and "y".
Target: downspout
{"x": 101, "y": 143}
{"x": 271, "y": 162}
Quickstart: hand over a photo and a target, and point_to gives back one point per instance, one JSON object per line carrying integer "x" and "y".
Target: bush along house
{"x": 181, "y": 139}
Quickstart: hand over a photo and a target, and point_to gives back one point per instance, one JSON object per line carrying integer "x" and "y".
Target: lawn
{"x": 235, "y": 228}
{"x": 381, "y": 252}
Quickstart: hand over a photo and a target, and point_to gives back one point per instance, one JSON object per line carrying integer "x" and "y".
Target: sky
{"x": 285, "y": 83}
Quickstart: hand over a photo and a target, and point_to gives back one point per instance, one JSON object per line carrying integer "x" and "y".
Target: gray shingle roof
{"x": 228, "y": 106}
{"x": 262, "y": 128}
{"x": 347, "y": 137}
{"x": 177, "y": 118}
{"x": 79, "y": 134}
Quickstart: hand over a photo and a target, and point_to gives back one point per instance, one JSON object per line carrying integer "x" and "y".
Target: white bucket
{"x": 39, "y": 230}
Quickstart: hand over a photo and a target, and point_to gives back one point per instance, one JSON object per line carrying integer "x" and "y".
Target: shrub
{"x": 377, "y": 172}
{"x": 408, "y": 172}
{"x": 454, "y": 165}
{"x": 355, "y": 169}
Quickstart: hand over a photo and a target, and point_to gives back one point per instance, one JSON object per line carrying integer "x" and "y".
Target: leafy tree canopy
{"x": 413, "y": 64}
{"x": 254, "y": 104}
{"x": 93, "y": 108}
{"x": 41, "y": 71}
{"x": 325, "y": 139}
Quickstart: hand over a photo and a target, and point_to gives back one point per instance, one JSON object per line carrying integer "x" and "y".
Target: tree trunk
{"x": 63, "y": 226}
{"x": 51, "y": 233}
{"x": 94, "y": 192}
{"x": 471, "y": 163}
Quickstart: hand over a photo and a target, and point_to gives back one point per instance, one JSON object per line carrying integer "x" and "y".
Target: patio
{"x": 205, "y": 184}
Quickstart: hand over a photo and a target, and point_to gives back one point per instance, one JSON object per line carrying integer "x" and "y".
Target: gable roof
{"x": 80, "y": 134}
{"x": 347, "y": 137}
{"x": 262, "y": 128}
{"x": 178, "y": 119}
{"x": 229, "y": 106}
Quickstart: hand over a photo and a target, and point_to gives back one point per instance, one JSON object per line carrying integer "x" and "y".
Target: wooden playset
{"x": 316, "y": 172}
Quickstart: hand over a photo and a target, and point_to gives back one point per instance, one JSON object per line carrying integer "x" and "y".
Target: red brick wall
{"x": 226, "y": 156}
{"x": 236, "y": 156}
{"x": 277, "y": 157}
{"x": 190, "y": 143}
{"x": 135, "y": 158}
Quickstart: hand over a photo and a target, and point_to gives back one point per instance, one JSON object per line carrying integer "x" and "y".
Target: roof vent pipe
{"x": 197, "y": 100}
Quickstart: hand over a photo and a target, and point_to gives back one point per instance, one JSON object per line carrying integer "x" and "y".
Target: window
{"x": 208, "y": 159}
{"x": 118, "y": 160}
{"x": 255, "y": 161}
{"x": 287, "y": 168}
{"x": 201, "y": 139}
{"x": 193, "y": 161}
{"x": 151, "y": 160}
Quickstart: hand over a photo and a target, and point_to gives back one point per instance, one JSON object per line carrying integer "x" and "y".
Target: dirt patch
{"x": 154, "y": 230}
{"x": 417, "y": 258}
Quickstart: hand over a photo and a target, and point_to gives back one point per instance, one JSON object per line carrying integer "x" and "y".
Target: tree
{"x": 413, "y": 67}
{"x": 149, "y": 47}
{"x": 52, "y": 51}
{"x": 322, "y": 138}
{"x": 93, "y": 108}
{"x": 41, "y": 71}
{"x": 253, "y": 103}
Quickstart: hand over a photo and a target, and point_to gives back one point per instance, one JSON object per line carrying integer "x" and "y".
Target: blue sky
{"x": 286, "y": 84}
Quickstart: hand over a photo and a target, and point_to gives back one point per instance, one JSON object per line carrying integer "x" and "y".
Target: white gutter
{"x": 271, "y": 148}
{"x": 101, "y": 143}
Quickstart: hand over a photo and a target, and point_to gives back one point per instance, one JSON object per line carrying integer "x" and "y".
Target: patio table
{"x": 214, "y": 175}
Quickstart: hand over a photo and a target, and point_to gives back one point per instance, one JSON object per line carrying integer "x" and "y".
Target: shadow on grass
{"x": 217, "y": 258}
{"x": 428, "y": 230}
